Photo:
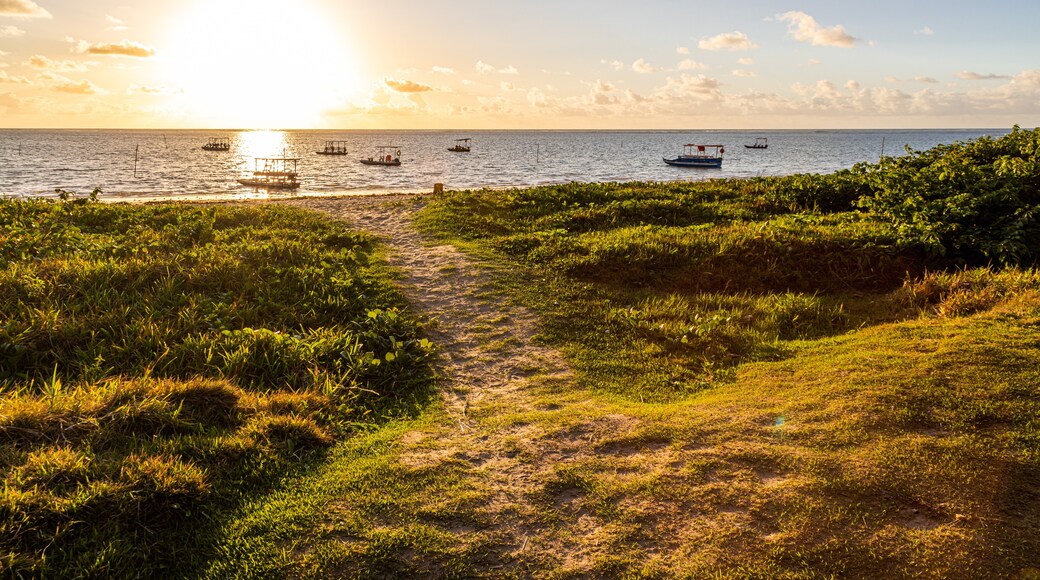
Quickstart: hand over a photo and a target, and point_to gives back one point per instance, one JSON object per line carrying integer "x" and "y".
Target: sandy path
{"x": 489, "y": 362}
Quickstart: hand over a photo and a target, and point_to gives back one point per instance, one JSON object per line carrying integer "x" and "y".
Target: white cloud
{"x": 643, "y": 67}
{"x": 614, "y": 64}
{"x": 926, "y": 31}
{"x": 406, "y": 86}
{"x": 683, "y": 50}
{"x": 688, "y": 64}
{"x": 507, "y": 86}
{"x": 485, "y": 68}
{"x": 123, "y": 48}
{"x": 892, "y": 80}
{"x": 443, "y": 70}
{"x": 78, "y": 88}
{"x": 743, "y": 73}
{"x": 804, "y": 28}
{"x": 974, "y": 76}
{"x": 42, "y": 62}
{"x": 23, "y": 9}
{"x": 746, "y": 61}
{"x": 10, "y": 31}
{"x": 151, "y": 90}
{"x": 923, "y": 79}
{"x": 814, "y": 61}
{"x": 852, "y": 85}
{"x": 735, "y": 40}
{"x": 6, "y": 78}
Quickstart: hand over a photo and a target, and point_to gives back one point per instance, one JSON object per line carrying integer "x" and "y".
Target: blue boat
{"x": 698, "y": 156}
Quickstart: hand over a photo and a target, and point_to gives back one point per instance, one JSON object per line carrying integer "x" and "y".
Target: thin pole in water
{"x": 137, "y": 150}
{"x": 537, "y": 153}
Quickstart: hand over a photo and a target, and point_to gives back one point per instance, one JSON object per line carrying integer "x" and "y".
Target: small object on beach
{"x": 438, "y": 188}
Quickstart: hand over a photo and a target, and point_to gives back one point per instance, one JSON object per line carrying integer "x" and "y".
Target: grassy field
{"x": 162, "y": 365}
{"x": 798, "y": 377}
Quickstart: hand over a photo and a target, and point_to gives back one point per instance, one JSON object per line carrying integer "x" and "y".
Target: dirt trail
{"x": 490, "y": 360}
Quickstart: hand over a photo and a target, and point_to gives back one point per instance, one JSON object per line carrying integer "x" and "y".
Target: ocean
{"x": 155, "y": 164}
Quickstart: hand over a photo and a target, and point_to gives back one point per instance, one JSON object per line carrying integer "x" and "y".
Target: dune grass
{"x": 160, "y": 365}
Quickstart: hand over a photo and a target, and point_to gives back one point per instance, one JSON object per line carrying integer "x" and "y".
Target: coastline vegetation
{"x": 160, "y": 365}
{"x": 795, "y": 377}
{"x": 851, "y": 357}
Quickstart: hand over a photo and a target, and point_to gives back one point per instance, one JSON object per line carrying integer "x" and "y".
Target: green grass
{"x": 822, "y": 396}
{"x": 160, "y": 365}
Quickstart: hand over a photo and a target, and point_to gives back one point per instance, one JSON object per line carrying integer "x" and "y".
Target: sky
{"x": 536, "y": 64}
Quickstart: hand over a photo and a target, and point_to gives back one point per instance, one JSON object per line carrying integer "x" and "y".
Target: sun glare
{"x": 259, "y": 64}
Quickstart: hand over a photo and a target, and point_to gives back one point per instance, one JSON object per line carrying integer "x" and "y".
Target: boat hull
{"x": 694, "y": 162}
{"x": 458, "y": 150}
{"x": 268, "y": 184}
{"x": 331, "y": 152}
{"x": 757, "y": 146}
{"x": 378, "y": 162}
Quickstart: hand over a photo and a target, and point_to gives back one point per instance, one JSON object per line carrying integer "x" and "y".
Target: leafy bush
{"x": 974, "y": 202}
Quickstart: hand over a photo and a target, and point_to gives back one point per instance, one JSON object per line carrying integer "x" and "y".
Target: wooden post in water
{"x": 137, "y": 150}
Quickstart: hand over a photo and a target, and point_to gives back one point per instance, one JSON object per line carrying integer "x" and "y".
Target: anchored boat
{"x": 461, "y": 146}
{"x": 698, "y": 156}
{"x": 273, "y": 173}
{"x": 760, "y": 143}
{"x": 334, "y": 148}
{"x": 389, "y": 155}
{"x": 218, "y": 144}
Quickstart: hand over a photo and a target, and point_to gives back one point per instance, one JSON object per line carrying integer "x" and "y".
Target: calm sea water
{"x": 171, "y": 163}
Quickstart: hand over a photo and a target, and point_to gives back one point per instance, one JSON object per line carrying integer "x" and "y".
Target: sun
{"x": 258, "y": 64}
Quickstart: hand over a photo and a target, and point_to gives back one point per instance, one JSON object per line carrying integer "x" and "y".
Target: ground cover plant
{"x": 823, "y": 375}
{"x": 162, "y": 364}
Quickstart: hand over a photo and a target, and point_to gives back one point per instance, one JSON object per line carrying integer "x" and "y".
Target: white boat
{"x": 694, "y": 155}
{"x": 389, "y": 155}
{"x": 273, "y": 173}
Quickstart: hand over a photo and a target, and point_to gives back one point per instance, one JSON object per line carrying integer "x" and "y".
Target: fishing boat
{"x": 760, "y": 143}
{"x": 461, "y": 146}
{"x": 273, "y": 173}
{"x": 389, "y": 155}
{"x": 218, "y": 144}
{"x": 698, "y": 156}
{"x": 334, "y": 148}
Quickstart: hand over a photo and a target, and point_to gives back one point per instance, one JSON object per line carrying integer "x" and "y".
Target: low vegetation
{"x": 160, "y": 365}
{"x": 839, "y": 370}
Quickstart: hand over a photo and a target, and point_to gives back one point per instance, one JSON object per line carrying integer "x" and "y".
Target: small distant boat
{"x": 461, "y": 146}
{"x": 698, "y": 156}
{"x": 389, "y": 155}
{"x": 760, "y": 143}
{"x": 273, "y": 173}
{"x": 334, "y": 148}
{"x": 218, "y": 144}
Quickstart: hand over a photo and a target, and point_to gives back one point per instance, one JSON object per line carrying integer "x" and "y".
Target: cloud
{"x": 643, "y": 67}
{"x": 443, "y": 70}
{"x": 122, "y": 48}
{"x": 507, "y": 86}
{"x": 814, "y": 61}
{"x": 78, "y": 88}
{"x": 485, "y": 68}
{"x": 974, "y": 76}
{"x": 735, "y": 40}
{"x": 117, "y": 24}
{"x": 10, "y": 31}
{"x": 6, "y": 78}
{"x": 929, "y": 80}
{"x": 614, "y": 64}
{"x": 688, "y": 64}
{"x": 743, "y": 73}
{"x": 407, "y": 86}
{"x": 23, "y": 8}
{"x": 42, "y": 62}
{"x": 804, "y": 28}
{"x": 746, "y": 61}
{"x": 683, "y": 50}
{"x": 926, "y": 31}
{"x": 150, "y": 90}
